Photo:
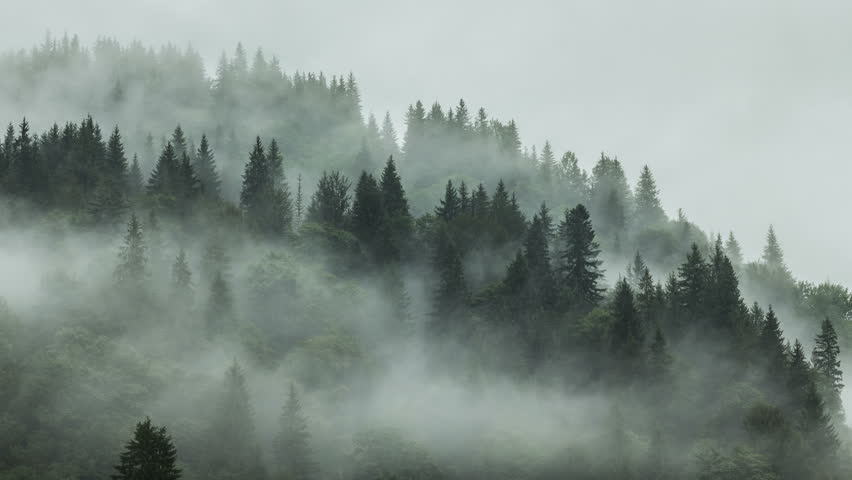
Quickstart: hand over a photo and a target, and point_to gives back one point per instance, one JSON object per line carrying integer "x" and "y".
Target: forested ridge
{"x": 247, "y": 276}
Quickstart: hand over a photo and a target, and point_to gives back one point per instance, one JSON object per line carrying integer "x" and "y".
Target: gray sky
{"x": 741, "y": 108}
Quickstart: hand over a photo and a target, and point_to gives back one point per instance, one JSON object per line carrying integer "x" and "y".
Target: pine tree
{"x": 798, "y": 377}
{"x": 636, "y": 270}
{"x": 330, "y": 202}
{"x": 628, "y": 336}
{"x": 537, "y": 256}
{"x": 233, "y": 451}
{"x": 390, "y": 141}
{"x": 220, "y": 306}
{"x": 464, "y": 199}
{"x": 150, "y": 455}
{"x": 182, "y": 286}
{"x": 547, "y": 164}
{"x": 400, "y": 221}
{"x": 649, "y": 212}
{"x": 450, "y": 205}
{"x": 725, "y": 305}
{"x": 276, "y": 163}
{"x": 116, "y": 162}
{"x": 771, "y": 342}
{"x": 205, "y": 168}
{"x": 546, "y": 222}
{"x": 451, "y": 293}
{"x": 131, "y": 268}
{"x": 266, "y": 205}
{"x": 164, "y": 178}
{"x": 819, "y": 440}
{"x": 660, "y": 360}
{"x": 135, "y": 183}
{"x": 300, "y": 207}
{"x": 773, "y": 256}
{"x": 692, "y": 283}
{"x": 581, "y": 271}
{"x": 734, "y": 251}
{"x": 829, "y": 376}
{"x": 292, "y": 446}
{"x": 369, "y": 220}
{"x": 480, "y": 204}
{"x": 178, "y": 141}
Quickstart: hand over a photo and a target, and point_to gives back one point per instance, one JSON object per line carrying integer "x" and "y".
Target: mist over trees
{"x": 295, "y": 289}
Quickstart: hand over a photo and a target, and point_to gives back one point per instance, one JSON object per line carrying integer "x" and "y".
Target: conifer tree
{"x": 649, "y": 212}
{"x": 182, "y": 286}
{"x": 330, "y": 202}
{"x": 546, "y": 222}
{"x": 581, "y": 271}
{"x": 826, "y": 362}
{"x": 451, "y": 293}
{"x": 547, "y": 163}
{"x": 799, "y": 376}
{"x": 480, "y": 204}
{"x": 772, "y": 345}
{"x": 266, "y": 205}
{"x": 390, "y": 141}
{"x": 369, "y": 220}
{"x": 464, "y": 199}
{"x": 725, "y": 306}
{"x": 164, "y": 178}
{"x": 178, "y": 141}
{"x": 395, "y": 203}
{"x": 233, "y": 451}
{"x": 205, "y": 169}
{"x": 450, "y": 206}
{"x": 819, "y": 437}
{"x": 131, "y": 268}
{"x": 300, "y": 207}
{"x": 734, "y": 251}
{"x": 135, "y": 182}
{"x": 220, "y": 306}
{"x": 692, "y": 284}
{"x": 628, "y": 336}
{"x": 292, "y": 446}
{"x": 116, "y": 162}
{"x": 537, "y": 256}
{"x": 150, "y": 455}
{"x": 773, "y": 256}
{"x": 660, "y": 360}
{"x": 636, "y": 270}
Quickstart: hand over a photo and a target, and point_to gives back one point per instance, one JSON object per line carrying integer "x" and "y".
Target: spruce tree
{"x": 581, "y": 272}
{"x": 660, "y": 360}
{"x": 636, "y": 269}
{"x": 826, "y": 362}
{"x": 798, "y": 377}
{"x": 537, "y": 255}
{"x": 390, "y": 142}
{"x": 725, "y": 305}
{"x": 773, "y": 256}
{"x": 178, "y": 141}
{"x": 266, "y": 205}
{"x": 649, "y": 212}
{"x": 819, "y": 437}
{"x": 233, "y": 451}
{"x": 771, "y": 342}
{"x": 369, "y": 220}
{"x": 292, "y": 446}
{"x": 150, "y": 455}
{"x": 220, "y": 306}
{"x": 135, "y": 182}
{"x": 451, "y": 293}
{"x": 400, "y": 221}
{"x": 131, "y": 269}
{"x": 692, "y": 285}
{"x": 205, "y": 169}
{"x": 734, "y": 251}
{"x": 450, "y": 206}
{"x": 330, "y": 202}
{"x": 182, "y": 286}
{"x": 164, "y": 178}
{"x": 276, "y": 163}
{"x": 628, "y": 337}
{"x": 300, "y": 206}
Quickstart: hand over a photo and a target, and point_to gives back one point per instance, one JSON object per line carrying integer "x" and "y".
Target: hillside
{"x": 295, "y": 289}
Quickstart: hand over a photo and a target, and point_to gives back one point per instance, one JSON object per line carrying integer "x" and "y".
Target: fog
{"x": 418, "y": 347}
{"x": 743, "y": 102}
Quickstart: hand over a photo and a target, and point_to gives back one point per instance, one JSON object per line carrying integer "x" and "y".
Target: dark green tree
{"x": 826, "y": 362}
{"x": 131, "y": 268}
{"x": 581, "y": 272}
{"x": 772, "y": 345}
{"x": 692, "y": 285}
{"x": 649, "y": 212}
{"x": 205, "y": 169}
{"x": 450, "y": 206}
{"x": 330, "y": 202}
{"x": 369, "y": 219}
{"x": 150, "y": 455}
{"x": 292, "y": 446}
{"x": 627, "y": 336}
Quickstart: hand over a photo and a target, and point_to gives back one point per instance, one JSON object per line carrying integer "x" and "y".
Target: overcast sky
{"x": 741, "y": 108}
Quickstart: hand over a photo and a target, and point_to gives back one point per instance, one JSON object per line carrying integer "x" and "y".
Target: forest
{"x": 244, "y": 275}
